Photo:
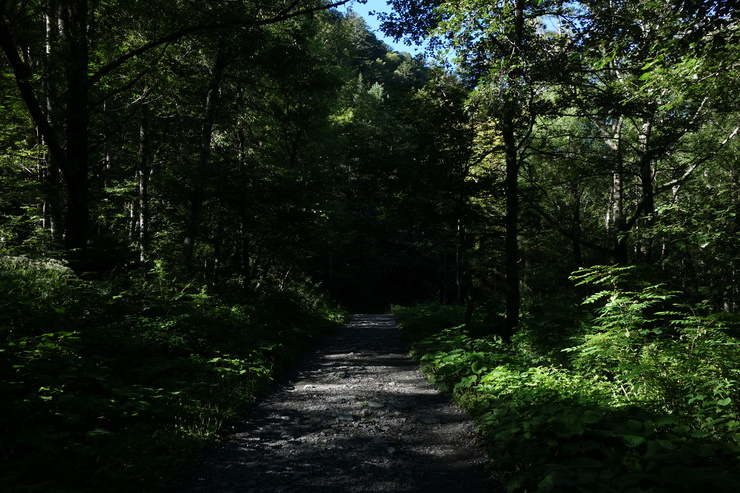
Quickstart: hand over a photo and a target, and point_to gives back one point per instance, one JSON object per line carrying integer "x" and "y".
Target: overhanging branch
{"x": 286, "y": 14}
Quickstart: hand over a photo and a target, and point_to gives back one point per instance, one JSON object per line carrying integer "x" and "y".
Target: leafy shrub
{"x": 455, "y": 361}
{"x": 119, "y": 383}
{"x": 426, "y": 319}
{"x": 552, "y": 428}
{"x": 34, "y": 295}
{"x": 670, "y": 356}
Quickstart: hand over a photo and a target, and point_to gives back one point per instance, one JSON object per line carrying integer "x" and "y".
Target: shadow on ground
{"x": 355, "y": 415}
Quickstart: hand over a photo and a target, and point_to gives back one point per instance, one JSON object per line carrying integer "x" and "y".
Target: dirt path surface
{"x": 356, "y": 415}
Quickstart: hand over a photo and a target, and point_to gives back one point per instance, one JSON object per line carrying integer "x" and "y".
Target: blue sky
{"x": 372, "y": 22}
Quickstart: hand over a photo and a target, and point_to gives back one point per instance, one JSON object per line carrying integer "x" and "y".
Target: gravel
{"x": 355, "y": 415}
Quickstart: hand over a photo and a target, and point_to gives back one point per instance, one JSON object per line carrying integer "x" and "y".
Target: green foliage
{"x": 427, "y": 319}
{"x": 674, "y": 357}
{"x": 131, "y": 376}
{"x": 34, "y": 296}
{"x": 627, "y": 322}
{"x": 551, "y": 427}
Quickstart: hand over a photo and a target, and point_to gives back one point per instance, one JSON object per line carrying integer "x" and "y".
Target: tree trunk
{"x": 245, "y": 247}
{"x": 51, "y": 206}
{"x": 511, "y": 151}
{"x": 49, "y": 172}
{"x": 511, "y": 242}
{"x": 143, "y": 172}
{"x": 648, "y": 194}
{"x": 192, "y": 226}
{"x": 576, "y": 241}
{"x": 618, "y": 227}
{"x": 73, "y": 22}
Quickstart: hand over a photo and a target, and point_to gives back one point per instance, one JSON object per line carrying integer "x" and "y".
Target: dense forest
{"x": 548, "y": 199}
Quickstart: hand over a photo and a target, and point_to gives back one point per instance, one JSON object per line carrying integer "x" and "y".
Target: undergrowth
{"x": 120, "y": 384}
{"x": 643, "y": 399}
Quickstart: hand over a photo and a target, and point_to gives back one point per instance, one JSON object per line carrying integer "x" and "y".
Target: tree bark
{"x": 511, "y": 242}
{"x": 77, "y": 121}
{"x": 143, "y": 173}
{"x": 192, "y": 227}
{"x": 577, "y": 227}
{"x": 49, "y": 173}
{"x": 618, "y": 227}
{"x": 648, "y": 194}
{"x": 511, "y": 151}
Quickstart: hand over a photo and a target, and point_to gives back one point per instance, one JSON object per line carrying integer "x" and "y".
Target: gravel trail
{"x": 356, "y": 415}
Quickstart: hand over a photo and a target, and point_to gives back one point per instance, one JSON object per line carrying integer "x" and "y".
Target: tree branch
{"x": 687, "y": 174}
{"x": 557, "y": 224}
{"x": 286, "y": 14}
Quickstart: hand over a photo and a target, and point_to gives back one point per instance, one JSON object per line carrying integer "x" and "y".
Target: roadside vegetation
{"x": 632, "y": 390}
{"x": 119, "y": 384}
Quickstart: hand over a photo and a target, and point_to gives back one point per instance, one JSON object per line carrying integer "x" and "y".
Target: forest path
{"x": 356, "y": 415}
